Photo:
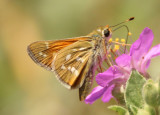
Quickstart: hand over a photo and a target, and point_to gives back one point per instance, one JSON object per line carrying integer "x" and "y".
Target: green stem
{"x": 157, "y": 110}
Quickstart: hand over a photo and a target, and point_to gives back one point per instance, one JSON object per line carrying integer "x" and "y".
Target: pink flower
{"x": 139, "y": 58}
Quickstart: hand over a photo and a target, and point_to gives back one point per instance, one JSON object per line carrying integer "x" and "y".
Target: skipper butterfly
{"x": 74, "y": 60}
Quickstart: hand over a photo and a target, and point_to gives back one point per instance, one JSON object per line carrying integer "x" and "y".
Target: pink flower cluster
{"x": 139, "y": 58}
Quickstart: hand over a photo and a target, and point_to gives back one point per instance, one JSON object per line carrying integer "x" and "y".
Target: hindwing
{"x": 72, "y": 63}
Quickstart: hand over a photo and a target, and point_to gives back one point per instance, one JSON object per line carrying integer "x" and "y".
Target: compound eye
{"x": 106, "y": 32}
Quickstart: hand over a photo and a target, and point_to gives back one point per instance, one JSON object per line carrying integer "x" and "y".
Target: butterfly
{"x": 74, "y": 60}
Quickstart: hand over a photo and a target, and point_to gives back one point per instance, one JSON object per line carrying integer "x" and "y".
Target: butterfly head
{"x": 103, "y": 31}
{"x": 106, "y": 32}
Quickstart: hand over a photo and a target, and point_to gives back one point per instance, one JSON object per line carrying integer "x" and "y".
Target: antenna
{"x": 130, "y": 19}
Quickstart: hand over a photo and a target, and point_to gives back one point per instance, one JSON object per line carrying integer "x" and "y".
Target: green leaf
{"x": 120, "y": 110}
{"x": 132, "y": 110}
{"x": 147, "y": 110}
{"x": 133, "y": 91}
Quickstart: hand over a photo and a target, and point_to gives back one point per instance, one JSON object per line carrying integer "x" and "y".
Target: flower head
{"x": 138, "y": 58}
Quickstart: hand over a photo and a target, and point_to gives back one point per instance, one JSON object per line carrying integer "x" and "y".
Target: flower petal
{"x": 155, "y": 51}
{"x": 96, "y": 93}
{"x": 103, "y": 79}
{"x": 108, "y": 94}
{"x": 124, "y": 61}
{"x": 141, "y": 46}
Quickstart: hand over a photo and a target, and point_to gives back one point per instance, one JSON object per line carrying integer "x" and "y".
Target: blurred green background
{"x": 27, "y": 89}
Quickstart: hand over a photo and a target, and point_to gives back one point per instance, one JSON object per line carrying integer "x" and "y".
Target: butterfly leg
{"x": 87, "y": 84}
{"x": 99, "y": 63}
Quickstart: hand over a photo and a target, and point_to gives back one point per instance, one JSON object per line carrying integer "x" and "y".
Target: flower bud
{"x": 149, "y": 109}
{"x": 118, "y": 94}
{"x": 151, "y": 93}
{"x": 142, "y": 112}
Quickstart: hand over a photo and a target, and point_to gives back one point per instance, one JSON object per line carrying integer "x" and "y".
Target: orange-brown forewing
{"x": 43, "y": 52}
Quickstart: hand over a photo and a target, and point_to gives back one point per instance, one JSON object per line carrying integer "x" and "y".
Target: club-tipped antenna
{"x": 130, "y": 19}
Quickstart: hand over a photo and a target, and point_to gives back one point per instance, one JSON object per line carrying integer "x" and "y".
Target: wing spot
{"x": 76, "y": 72}
{"x": 69, "y": 68}
{"x": 73, "y": 69}
{"x": 80, "y": 59}
{"x": 40, "y": 53}
{"x": 47, "y": 45}
{"x": 63, "y": 67}
{"x": 68, "y": 57}
{"x": 82, "y": 48}
{"x": 44, "y": 55}
{"x": 74, "y": 49}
